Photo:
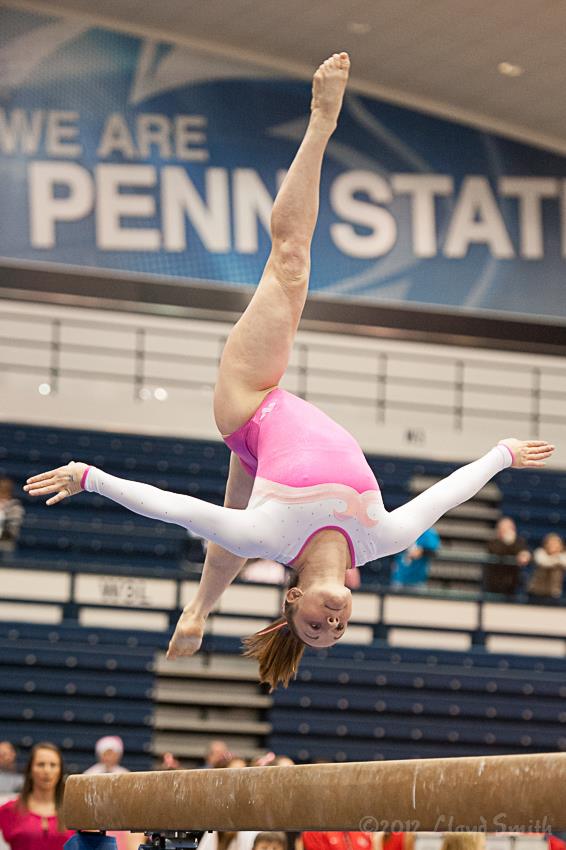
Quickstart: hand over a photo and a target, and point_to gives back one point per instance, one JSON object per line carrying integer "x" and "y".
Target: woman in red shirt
{"x": 33, "y": 820}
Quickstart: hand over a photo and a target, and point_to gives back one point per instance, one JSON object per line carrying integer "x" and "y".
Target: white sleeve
{"x": 240, "y": 532}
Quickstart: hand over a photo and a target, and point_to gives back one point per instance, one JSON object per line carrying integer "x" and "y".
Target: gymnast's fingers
{"x": 44, "y": 476}
{"x": 539, "y": 454}
{"x": 43, "y": 488}
{"x": 62, "y": 494}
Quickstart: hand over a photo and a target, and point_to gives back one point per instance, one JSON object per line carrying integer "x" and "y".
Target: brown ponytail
{"x": 278, "y": 651}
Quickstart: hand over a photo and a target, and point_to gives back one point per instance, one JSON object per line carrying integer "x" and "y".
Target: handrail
{"x": 141, "y": 359}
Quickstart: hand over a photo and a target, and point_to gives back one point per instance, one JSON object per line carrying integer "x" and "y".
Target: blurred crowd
{"x": 515, "y": 567}
{"x": 512, "y": 568}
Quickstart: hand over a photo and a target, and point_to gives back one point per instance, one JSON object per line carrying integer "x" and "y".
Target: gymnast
{"x": 299, "y": 489}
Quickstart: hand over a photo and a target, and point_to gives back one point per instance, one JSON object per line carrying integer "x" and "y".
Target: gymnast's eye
{"x": 339, "y": 627}
{"x": 315, "y": 626}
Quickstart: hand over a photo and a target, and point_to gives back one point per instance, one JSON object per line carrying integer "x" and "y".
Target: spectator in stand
{"x": 217, "y": 754}
{"x": 398, "y": 841}
{"x": 463, "y": 841}
{"x": 33, "y": 820}
{"x": 512, "y": 554}
{"x": 550, "y": 566}
{"x": 283, "y": 761}
{"x": 168, "y": 762}
{"x": 339, "y": 840}
{"x": 270, "y": 841}
{"x": 109, "y": 751}
{"x": 264, "y": 570}
{"x": 353, "y": 578}
{"x": 237, "y": 761}
{"x": 411, "y": 567}
{"x": 11, "y": 517}
{"x": 11, "y": 780}
{"x": 266, "y": 760}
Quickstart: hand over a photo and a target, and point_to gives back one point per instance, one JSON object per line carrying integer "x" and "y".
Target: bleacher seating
{"x": 71, "y": 685}
{"x": 376, "y": 703}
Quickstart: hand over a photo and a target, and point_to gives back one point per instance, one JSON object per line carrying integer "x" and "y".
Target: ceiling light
{"x": 358, "y": 28}
{"x": 44, "y": 389}
{"x": 144, "y": 393}
{"x": 160, "y": 393}
{"x": 509, "y": 69}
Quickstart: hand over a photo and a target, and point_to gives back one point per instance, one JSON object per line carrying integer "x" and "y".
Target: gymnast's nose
{"x": 333, "y": 620}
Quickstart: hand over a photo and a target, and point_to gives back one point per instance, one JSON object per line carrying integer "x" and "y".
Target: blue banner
{"x": 124, "y": 153}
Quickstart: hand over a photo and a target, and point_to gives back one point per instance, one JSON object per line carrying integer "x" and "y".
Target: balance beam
{"x": 517, "y": 793}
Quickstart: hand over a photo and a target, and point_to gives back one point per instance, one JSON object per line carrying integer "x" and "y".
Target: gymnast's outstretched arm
{"x": 242, "y": 533}
{"x": 400, "y": 528}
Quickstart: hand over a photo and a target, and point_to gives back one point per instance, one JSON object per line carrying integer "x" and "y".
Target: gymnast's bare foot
{"x": 328, "y": 86}
{"x": 528, "y": 453}
{"x": 187, "y": 636}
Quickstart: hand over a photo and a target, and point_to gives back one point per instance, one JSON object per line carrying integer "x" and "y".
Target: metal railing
{"x": 375, "y": 378}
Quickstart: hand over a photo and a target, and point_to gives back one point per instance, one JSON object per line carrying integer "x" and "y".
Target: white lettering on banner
{"x": 530, "y": 191}
{"x": 20, "y": 133}
{"x": 181, "y": 137}
{"x": 46, "y": 208}
{"x": 153, "y": 130}
{"x": 210, "y": 218}
{"x": 189, "y": 142}
{"x": 422, "y": 190}
{"x": 116, "y": 138}
{"x": 477, "y": 219}
{"x": 61, "y": 134}
{"x": 228, "y": 211}
{"x": 113, "y": 205}
{"x": 378, "y": 220}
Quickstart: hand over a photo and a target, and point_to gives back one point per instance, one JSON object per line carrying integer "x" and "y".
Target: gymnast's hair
{"x": 277, "y": 648}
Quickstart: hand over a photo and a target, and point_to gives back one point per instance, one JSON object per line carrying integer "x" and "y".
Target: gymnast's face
{"x": 320, "y": 613}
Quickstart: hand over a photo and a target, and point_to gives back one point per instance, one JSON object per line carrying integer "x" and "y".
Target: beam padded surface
{"x": 522, "y": 793}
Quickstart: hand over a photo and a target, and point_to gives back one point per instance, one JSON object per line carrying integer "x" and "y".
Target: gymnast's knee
{"x": 291, "y": 262}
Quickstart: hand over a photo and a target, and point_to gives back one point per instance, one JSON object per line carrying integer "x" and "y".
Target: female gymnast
{"x": 299, "y": 489}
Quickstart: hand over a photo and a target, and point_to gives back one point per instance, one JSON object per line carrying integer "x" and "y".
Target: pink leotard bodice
{"x": 291, "y": 442}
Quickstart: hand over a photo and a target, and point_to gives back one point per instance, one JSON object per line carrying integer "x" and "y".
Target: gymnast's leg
{"x": 259, "y": 346}
{"x": 400, "y": 528}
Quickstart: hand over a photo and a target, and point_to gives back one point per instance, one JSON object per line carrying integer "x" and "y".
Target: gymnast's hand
{"x": 64, "y": 481}
{"x": 528, "y": 454}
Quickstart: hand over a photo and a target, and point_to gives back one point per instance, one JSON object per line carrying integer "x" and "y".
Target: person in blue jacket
{"x": 411, "y": 566}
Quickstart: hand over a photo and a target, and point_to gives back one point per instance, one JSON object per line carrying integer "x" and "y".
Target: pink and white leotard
{"x": 310, "y": 474}
{"x": 314, "y": 469}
